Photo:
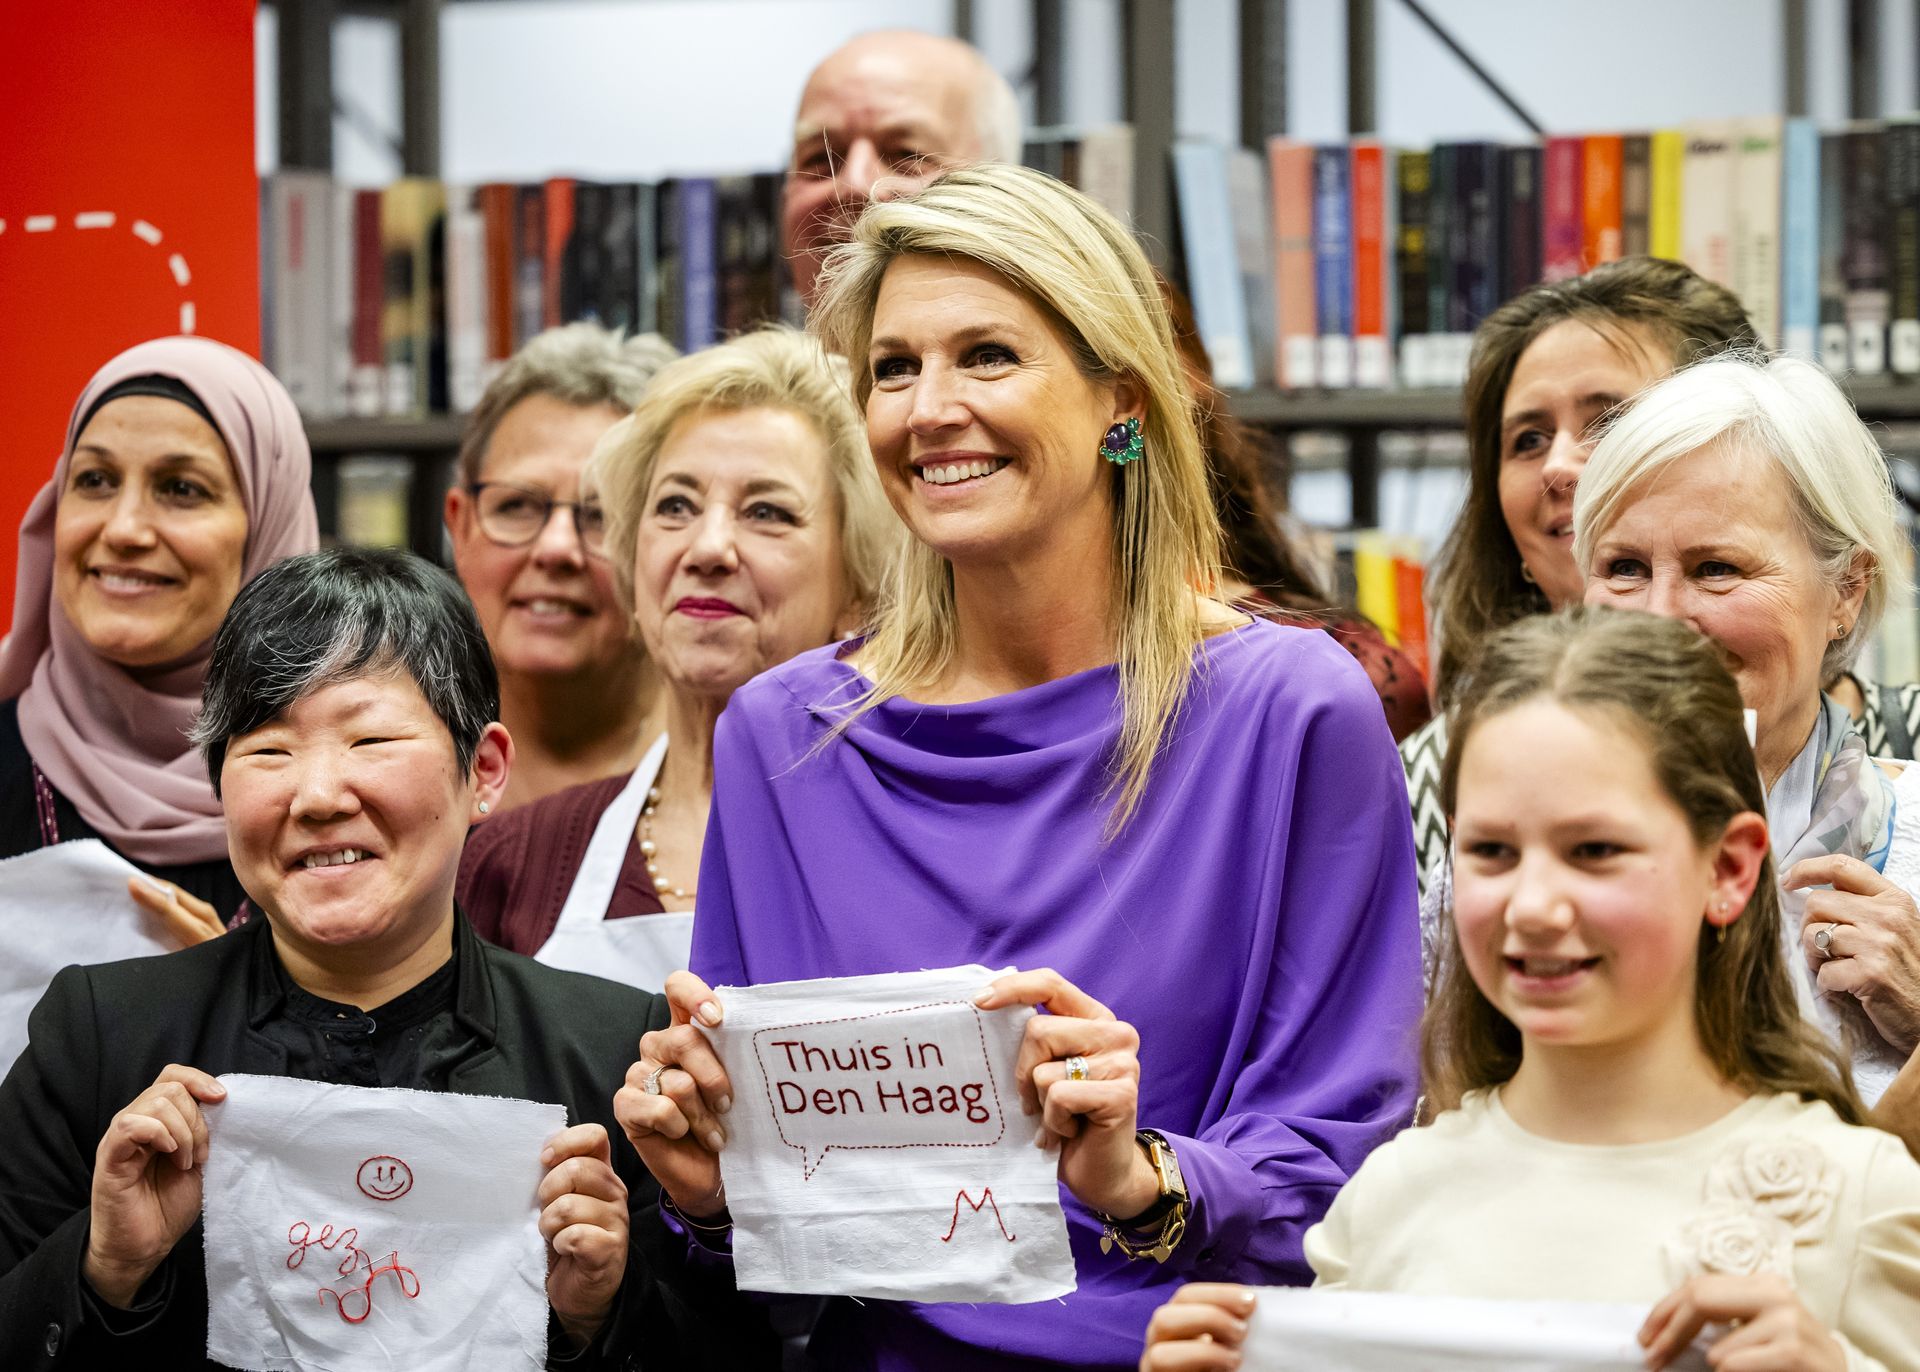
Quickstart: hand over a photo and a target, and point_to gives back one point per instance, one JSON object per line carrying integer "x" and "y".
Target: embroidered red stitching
{"x": 401, "y": 1276}
{"x": 300, "y": 1234}
{"x": 986, "y": 1198}
{"x": 389, "y": 1180}
{"x": 774, "y": 1110}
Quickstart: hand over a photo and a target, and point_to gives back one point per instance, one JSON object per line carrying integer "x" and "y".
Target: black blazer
{"x": 101, "y": 1035}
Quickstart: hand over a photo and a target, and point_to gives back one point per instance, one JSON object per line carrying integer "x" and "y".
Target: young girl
{"x": 1631, "y": 1107}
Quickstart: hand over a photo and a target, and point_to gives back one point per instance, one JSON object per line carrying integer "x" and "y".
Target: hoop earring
{"x": 1123, "y": 443}
{"x": 1526, "y": 575}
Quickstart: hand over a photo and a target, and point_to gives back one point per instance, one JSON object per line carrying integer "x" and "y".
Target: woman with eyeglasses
{"x": 745, "y": 525}
{"x": 575, "y": 689}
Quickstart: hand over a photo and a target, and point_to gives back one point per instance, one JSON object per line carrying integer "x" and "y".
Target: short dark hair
{"x": 322, "y": 618}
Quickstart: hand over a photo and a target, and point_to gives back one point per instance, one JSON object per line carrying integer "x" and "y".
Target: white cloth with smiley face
{"x": 374, "y": 1228}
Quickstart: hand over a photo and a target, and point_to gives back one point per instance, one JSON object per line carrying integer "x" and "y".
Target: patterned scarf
{"x": 1852, "y": 814}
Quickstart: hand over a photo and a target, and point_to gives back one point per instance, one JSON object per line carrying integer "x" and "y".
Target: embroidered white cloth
{"x": 1298, "y": 1330}
{"x": 353, "y": 1228}
{"x": 876, "y": 1145}
{"x": 60, "y": 905}
{"x": 1365, "y": 1331}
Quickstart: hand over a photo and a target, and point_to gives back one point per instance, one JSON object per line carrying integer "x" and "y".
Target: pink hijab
{"x": 111, "y": 742}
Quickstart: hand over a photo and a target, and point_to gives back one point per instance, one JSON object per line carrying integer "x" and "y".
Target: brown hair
{"x": 1255, "y": 550}
{"x": 1666, "y": 685}
{"x": 1479, "y": 583}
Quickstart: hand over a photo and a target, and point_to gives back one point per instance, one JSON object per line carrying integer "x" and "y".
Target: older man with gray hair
{"x": 883, "y": 115}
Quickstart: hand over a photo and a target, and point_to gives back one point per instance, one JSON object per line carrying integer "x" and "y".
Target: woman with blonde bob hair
{"x": 1196, "y": 818}
{"x": 1745, "y": 497}
{"x": 744, "y": 525}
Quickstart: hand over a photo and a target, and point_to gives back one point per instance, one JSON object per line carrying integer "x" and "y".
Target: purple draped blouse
{"x": 1255, "y": 922}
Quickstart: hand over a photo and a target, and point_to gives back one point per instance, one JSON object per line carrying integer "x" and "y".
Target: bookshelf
{"x": 1148, "y": 36}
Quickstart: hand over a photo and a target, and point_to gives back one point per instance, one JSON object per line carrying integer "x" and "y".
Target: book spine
{"x": 496, "y": 207}
{"x": 1486, "y": 216}
{"x": 530, "y": 270}
{"x": 1563, "y": 218}
{"x": 342, "y": 286}
{"x": 1800, "y": 239}
{"x": 1833, "y": 239}
{"x": 1903, "y": 246}
{"x": 1706, "y": 194}
{"x": 402, "y": 224}
{"x": 1520, "y": 179}
{"x": 557, "y": 193}
{"x": 1213, "y": 278}
{"x": 466, "y": 299}
{"x": 1756, "y": 224}
{"x": 1250, "y": 201}
{"x": 1667, "y": 150}
{"x": 430, "y": 301}
{"x": 1333, "y": 264}
{"x": 1297, "y": 352}
{"x": 732, "y": 199}
{"x": 368, "y": 395}
{"x": 1864, "y": 256}
{"x": 582, "y": 272}
{"x": 616, "y": 295}
{"x": 1443, "y": 224}
{"x": 1636, "y": 195}
{"x": 699, "y": 264}
{"x": 669, "y": 299}
{"x": 1414, "y": 173}
{"x": 1602, "y": 158}
{"x": 646, "y": 258}
{"x": 1372, "y": 353}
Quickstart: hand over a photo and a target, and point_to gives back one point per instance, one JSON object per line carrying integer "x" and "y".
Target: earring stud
{"x": 484, "y": 807}
{"x": 1123, "y": 443}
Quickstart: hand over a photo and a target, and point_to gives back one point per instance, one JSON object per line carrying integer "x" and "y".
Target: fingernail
{"x": 709, "y": 1013}
{"x": 154, "y": 884}
{"x": 724, "y": 1104}
{"x": 1248, "y": 1299}
{"x": 983, "y": 995}
{"x": 716, "y": 1140}
{"x": 546, "y": 1157}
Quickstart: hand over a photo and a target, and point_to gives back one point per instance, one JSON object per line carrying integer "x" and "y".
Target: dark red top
{"x": 518, "y": 867}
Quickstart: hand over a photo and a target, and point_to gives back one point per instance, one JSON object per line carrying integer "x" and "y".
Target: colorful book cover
{"x": 1290, "y": 169}
{"x": 1636, "y": 195}
{"x": 1864, "y": 256}
{"x": 1333, "y": 263}
{"x": 497, "y": 203}
{"x": 1520, "y": 178}
{"x": 367, "y": 391}
{"x": 1602, "y": 156}
{"x": 1376, "y": 584}
{"x": 1903, "y": 246}
{"x": 1410, "y": 607}
{"x": 1414, "y": 171}
{"x": 1833, "y": 242}
{"x": 1213, "y": 277}
{"x": 1563, "y": 214}
{"x": 1667, "y": 155}
{"x": 1706, "y": 192}
{"x": 1757, "y": 178}
{"x": 1800, "y": 239}
{"x": 1372, "y": 350}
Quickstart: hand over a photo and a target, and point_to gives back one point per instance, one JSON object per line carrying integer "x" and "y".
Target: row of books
{"x": 1366, "y": 265}
{"x": 404, "y": 300}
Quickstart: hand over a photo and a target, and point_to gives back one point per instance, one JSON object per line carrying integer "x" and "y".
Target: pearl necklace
{"x": 649, "y": 849}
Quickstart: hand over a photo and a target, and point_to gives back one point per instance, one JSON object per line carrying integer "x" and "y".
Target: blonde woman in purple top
{"x": 1056, "y": 749}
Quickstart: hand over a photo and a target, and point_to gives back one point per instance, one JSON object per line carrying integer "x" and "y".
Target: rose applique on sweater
{"x": 1763, "y": 1197}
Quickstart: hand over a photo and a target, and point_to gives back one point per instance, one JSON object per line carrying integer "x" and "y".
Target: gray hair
{"x": 582, "y": 364}
{"x": 342, "y": 614}
{"x": 1792, "y": 413}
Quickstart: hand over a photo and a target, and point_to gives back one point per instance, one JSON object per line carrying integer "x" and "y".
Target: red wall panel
{"x": 129, "y": 202}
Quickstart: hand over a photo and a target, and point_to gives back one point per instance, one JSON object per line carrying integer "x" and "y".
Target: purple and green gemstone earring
{"x": 1123, "y": 442}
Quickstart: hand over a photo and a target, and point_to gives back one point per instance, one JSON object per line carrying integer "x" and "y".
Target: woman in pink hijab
{"x": 185, "y": 474}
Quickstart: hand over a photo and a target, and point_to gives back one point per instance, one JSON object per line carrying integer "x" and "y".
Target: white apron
{"x": 638, "y": 950}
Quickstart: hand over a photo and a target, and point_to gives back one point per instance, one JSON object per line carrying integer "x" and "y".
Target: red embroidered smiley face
{"x": 384, "y": 1178}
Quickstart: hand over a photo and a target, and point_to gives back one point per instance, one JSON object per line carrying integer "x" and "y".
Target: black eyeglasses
{"x": 513, "y": 516}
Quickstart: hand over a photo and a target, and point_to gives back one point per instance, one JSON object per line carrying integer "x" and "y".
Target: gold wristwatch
{"x": 1168, "y": 1211}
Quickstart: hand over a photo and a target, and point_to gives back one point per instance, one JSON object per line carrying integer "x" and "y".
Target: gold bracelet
{"x": 1172, "y": 1229}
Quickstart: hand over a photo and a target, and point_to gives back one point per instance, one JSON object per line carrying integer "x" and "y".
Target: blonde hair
{"x": 581, "y": 364}
{"x": 1665, "y": 686}
{"x": 774, "y": 368}
{"x": 1083, "y": 268}
{"x": 1792, "y": 413}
